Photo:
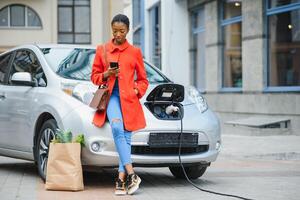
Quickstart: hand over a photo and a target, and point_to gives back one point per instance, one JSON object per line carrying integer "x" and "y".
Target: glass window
{"x": 82, "y": 38}
{"x": 4, "y": 16}
{"x": 17, "y": 15}
{"x": 283, "y": 45}
{"x": 65, "y": 2}
{"x": 26, "y": 61}
{"x": 76, "y": 63}
{"x": 4, "y": 67}
{"x": 154, "y": 76}
{"x": 32, "y": 18}
{"x": 198, "y": 49}
{"x": 137, "y": 12}
{"x": 277, "y": 3}
{"x": 198, "y": 20}
{"x": 82, "y": 15}
{"x": 138, "y": 23}
{"x": 137, "y": 38}
{"x": 82, "y": 2}
{"x": 155, "y": 36}
{"x": 74, "y": 21}
{"x": 65, "y": 38}
{"x": 65, "y": 19}
{"x": 232, "y": 44}
{"x": 232, "y": 8}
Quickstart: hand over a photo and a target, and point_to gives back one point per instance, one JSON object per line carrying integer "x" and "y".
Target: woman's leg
{"x": 122, "y": 138}
{"x": 128, "y": 167}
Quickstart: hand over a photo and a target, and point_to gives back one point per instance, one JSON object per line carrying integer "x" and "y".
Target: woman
{"x": 124, "y": 110}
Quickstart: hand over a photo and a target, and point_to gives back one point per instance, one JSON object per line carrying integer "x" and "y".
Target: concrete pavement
{"x": 258, "y": 167}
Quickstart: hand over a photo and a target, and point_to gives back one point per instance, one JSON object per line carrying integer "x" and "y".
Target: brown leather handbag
{"x": 100, "y": 99}
{"x": 101, "y": 96}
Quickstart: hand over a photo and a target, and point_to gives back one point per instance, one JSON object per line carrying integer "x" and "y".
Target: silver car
{"x": 45, "y": 87}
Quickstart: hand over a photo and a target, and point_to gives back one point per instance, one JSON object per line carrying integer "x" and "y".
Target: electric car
{"x": 46, "y": 87}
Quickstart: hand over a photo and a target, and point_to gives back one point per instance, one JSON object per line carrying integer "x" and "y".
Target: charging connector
{"x": 171, "y": 109}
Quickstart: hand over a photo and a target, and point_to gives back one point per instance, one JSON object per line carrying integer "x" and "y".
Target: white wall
{"x": 98, "y": 35}
{"x": 48, "y": 33}
{"x": 174, "y": 38}
{"x": 175, "y": 41}
{"x": 128, "y": 12}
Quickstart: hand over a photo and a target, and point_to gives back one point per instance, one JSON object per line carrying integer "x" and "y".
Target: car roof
{"x": 42, "y": 46}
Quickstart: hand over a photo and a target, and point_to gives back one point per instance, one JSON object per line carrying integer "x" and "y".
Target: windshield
{"x": 76, "y": 63}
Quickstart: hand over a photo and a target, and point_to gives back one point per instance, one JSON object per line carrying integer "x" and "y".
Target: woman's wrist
{"x": 106, "y": 74}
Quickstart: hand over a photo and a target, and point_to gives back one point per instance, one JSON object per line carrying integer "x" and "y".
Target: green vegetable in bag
{"x": 66, "y": 137}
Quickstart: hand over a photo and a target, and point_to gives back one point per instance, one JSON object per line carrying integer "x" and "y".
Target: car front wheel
{"x": 193, "y": 172}
{"x": 45, "y": 136}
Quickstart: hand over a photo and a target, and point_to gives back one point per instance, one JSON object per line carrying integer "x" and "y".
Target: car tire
{"x": 45, "y": 136}
{"x": 193, "y": 172}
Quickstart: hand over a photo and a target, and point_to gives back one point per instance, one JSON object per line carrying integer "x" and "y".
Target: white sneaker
{"x": 120, "y": 187}
{"x": 133, "y": 183}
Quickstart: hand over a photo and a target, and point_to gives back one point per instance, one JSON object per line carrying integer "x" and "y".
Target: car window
{"x": 26, "y": 61}
{"x": 71, "y": 63}
{"x": 4, "y": 67}
{"x": 76, "y": 63}
{"x": 154, "y": 76}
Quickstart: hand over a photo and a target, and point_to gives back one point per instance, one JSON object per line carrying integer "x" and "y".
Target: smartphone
{"x": 114, "y": 65}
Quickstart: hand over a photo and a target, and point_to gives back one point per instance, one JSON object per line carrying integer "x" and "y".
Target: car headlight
{"x": 195, "y": 96}
{"x": 82, "y": 92}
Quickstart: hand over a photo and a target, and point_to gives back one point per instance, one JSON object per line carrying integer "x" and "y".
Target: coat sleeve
{"x": 98, "y": 68}
{"x": 141, "y": 83}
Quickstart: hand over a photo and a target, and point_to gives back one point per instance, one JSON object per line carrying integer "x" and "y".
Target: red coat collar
{"x": 112, "y": 47}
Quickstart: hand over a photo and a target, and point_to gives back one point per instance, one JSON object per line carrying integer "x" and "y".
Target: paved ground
{"x": 266, "y": 168}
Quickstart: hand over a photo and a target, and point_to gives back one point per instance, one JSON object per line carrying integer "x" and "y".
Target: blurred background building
{"x": 56, "y": 21}
{"x": 243, "y": 55}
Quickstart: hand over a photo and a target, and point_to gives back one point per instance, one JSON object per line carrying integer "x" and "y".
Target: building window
{"x": 138, "y": 23}
{"x": 74, "y": 25}
{"x": 231, "y": 23}
{"x": 198, "y": 48}
{"x": 19, "y": 16}
{"x": 283, "y": 43}
{"x": 155, "y": 35}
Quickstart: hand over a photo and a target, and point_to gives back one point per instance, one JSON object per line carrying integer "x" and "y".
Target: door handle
{"x": 2, "y": 96}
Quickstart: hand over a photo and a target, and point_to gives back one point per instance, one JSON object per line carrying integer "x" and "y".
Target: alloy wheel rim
{"x": 47, "y": 135}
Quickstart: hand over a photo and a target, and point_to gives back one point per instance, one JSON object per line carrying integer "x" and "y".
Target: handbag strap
{"x": 105, "y": 55}
{"x": 106, "y": 64}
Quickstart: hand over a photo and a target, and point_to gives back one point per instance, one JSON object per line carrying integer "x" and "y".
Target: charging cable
{"x": 171, "y": 109}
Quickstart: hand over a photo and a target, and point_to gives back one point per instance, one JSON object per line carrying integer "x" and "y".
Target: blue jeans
{"x": 122, "y": 138}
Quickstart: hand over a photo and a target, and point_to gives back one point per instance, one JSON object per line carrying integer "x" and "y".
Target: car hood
{"x": 84, "y": 91}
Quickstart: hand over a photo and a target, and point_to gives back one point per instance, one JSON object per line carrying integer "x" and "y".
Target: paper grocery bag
{"x": 64, "y": 170}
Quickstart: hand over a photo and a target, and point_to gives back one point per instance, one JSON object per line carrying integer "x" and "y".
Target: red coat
{"x": 130, "y": 61}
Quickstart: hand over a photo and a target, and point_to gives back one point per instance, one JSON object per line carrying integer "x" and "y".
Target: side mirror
{"x": 23, "y": 78}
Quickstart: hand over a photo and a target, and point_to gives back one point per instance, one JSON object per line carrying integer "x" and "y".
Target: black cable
{"x": 187, "y": 178}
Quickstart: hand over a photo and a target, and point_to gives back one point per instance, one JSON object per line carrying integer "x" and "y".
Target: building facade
{"x": 56, "y": 21}
{"x": 243, "y": 55}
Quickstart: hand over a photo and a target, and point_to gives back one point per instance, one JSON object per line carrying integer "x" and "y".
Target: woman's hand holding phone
{"x": 113, "y": 69}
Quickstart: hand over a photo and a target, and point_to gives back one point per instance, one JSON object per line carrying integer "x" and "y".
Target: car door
{"x": 5, "y": 62}
{"x": 17, "y": 130}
